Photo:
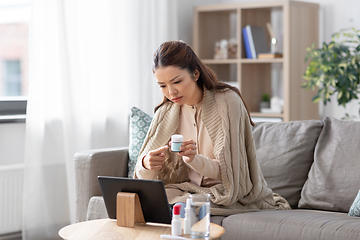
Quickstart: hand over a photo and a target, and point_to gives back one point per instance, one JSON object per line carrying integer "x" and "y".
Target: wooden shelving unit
{"x": 253, "y": 77}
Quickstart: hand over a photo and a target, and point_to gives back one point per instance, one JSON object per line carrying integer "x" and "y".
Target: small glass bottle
{"x": 176, "y": 142}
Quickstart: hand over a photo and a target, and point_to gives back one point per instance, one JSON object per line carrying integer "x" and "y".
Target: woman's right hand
{"x": 154, "y": 159}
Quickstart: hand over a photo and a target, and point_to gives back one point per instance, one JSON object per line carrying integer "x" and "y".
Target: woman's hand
{"x": 188, "y": 150}
{"x": 154, "y": 159}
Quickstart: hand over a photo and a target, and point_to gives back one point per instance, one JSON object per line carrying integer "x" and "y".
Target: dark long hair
{"x": 179, "y": 54}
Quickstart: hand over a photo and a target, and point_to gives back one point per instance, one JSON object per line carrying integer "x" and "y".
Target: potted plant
{"x": 335, "y": 68}
{"x": 265, "y": 101}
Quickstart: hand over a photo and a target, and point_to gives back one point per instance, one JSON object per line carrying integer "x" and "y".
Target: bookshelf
{"x": 296, "y": 27}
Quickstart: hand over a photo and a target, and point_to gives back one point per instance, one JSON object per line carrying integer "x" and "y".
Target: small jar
{"x": 176, "y": 142}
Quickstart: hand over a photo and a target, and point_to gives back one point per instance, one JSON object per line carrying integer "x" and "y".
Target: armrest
{"x": 89, "y": 165}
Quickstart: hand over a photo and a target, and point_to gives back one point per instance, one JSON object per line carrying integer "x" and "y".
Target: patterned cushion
{"x": 139, "y": 126}
{"x": 355, "y": 207}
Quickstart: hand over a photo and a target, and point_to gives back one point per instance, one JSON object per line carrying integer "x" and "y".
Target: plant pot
{"x": 264, "y": 105}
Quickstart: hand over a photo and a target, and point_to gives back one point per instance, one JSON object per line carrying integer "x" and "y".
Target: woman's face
{"x": 178, "y": 85}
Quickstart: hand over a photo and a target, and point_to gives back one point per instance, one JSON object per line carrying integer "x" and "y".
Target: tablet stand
{"x": 128, "y": 210}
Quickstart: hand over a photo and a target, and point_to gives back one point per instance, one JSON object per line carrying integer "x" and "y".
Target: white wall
{"x": 334, "y": 15}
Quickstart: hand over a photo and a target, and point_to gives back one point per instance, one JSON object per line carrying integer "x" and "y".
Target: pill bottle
{"x": 176, "y": 142}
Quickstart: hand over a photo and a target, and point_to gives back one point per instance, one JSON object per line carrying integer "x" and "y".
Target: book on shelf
{"x": 269, "y": 55}
{"x": 254, "y": 41}
{"x": 246, "y": 34}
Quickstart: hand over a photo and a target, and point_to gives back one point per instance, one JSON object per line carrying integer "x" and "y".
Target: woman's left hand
{"x": 188, "y": 150}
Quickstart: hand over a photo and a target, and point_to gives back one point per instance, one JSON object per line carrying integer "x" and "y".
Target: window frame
{"x": 13, "y": 109}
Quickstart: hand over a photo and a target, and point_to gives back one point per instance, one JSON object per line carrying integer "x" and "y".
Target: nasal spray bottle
{"x": 176, "y": 222}
{"x": 187, "y": 220}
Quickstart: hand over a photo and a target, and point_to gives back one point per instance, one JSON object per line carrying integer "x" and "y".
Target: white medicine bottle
{"x": 176, "y": 229}
{"x": 176, "y": 142}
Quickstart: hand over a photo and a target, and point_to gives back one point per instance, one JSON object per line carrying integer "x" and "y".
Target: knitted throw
{"x": 243, "y": 187}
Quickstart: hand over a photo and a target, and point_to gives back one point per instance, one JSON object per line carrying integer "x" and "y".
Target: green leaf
{"x": 306, "y": 77}
{"x": 316, "y": 99}
{"x": 327, "y": 95}
{"x": 325, "y": 46}
{"x": 344, "y": 65}
{"x": 333, "y": 83}
{"x": 353, "y": 60}
{"x": 339, "y": 95}
{"x": 341, "y": 71}
{"x": 352, "y": 77}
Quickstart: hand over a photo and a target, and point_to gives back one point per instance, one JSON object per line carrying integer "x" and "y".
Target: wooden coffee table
{"x": 108, "y": 229}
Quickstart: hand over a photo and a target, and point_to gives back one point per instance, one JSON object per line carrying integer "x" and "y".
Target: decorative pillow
{"x": 334, "y": 177}
{"x": 355, "y": 207}
{"x": 285, "y": 152}
{"x": 139, "y": 126}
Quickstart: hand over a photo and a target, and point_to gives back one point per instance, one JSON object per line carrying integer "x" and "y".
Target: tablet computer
{"x": 152, "y": 195}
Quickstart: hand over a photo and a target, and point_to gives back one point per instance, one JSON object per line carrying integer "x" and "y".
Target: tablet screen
{"x": 151, "y": 193}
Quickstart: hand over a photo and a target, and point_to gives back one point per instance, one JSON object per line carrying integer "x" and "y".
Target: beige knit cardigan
{"x": 243, "y": 187}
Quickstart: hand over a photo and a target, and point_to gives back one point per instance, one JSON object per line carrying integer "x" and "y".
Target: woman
{"x": 218, "y": 154}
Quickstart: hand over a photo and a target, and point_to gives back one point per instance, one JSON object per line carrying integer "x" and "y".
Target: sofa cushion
{"x": 291, "y": 224}
{"x": 355, "y": 207}
{"x": 334, "y": 178}
{"x": 139, "y": 126}
{"x": 285, "y": 152}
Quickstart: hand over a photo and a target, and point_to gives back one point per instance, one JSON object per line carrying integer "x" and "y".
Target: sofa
{"x": 314, "y": 164}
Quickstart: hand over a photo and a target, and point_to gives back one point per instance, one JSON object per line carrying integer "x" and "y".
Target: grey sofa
{"x": 314, "y": 164}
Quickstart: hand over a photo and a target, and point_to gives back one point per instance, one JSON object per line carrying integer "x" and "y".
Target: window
{"x": 14, "y": 37}
{"x": 12, "y": 78}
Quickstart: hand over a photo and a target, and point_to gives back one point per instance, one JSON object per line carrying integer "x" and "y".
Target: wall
{"x": 334, "y": 15}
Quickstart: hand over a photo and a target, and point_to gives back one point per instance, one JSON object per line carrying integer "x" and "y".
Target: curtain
{"x": 90, "y": 62}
